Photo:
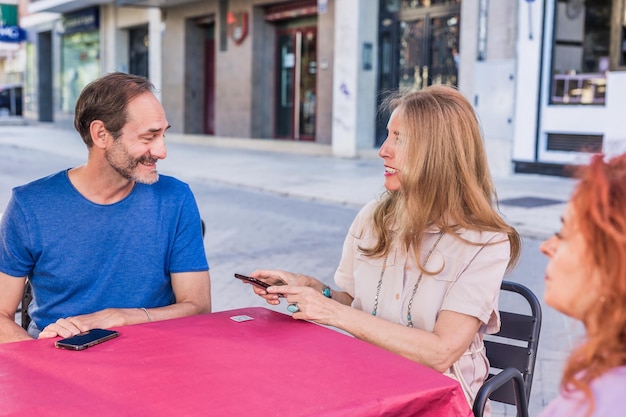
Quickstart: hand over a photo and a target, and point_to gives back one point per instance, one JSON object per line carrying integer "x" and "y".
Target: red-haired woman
{"x": 586, "y": 280}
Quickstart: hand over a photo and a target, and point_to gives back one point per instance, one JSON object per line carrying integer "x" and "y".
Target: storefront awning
{"x": 63, "y": 6}
{"x": 152, "y": 3}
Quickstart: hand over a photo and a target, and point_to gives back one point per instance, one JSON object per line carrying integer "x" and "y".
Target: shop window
{"x": 80, "y": 64}
{"x": 580, "y": 57}
{"x": 139, "y": 51}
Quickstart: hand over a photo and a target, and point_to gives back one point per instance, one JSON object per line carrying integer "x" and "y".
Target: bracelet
{"x": 327, "y": 291}
{"x": 147, "y": 314}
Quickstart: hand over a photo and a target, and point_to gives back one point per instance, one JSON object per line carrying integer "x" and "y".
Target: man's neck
{"x": 100, "y": 186}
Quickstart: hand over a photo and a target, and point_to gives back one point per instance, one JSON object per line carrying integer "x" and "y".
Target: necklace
{"x": 417, "y": 283}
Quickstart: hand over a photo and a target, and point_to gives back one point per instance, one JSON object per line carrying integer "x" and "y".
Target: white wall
{"x": 354, "y": 90}
{"x": 530, "y": 17}
{"x": 494, "y": 97}
{"x": 615, "y": 134}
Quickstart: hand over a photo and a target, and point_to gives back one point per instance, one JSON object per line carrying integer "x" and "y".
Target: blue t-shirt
{"x": 83, "y": 257}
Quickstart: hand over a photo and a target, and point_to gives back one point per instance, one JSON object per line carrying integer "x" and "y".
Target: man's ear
{"x": 99, "y": 133}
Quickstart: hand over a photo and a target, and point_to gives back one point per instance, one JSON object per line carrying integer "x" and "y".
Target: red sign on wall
{"x": 237, "y": 26}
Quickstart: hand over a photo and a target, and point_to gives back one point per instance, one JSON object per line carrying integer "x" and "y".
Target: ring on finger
{"x": 293, "y": 308}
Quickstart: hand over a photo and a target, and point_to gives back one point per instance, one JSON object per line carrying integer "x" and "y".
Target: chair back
{"x": 504, "y": 352}
{"x": 26, "y": 299}
{"x": 513, "y": 348}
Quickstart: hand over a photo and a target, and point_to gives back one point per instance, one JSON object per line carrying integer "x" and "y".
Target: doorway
{"x": 419, "y": 46}
{"x": 200, "y": 75}
{"x": 429, "y": 50}
{"x": 45, "y": 108}
{"x": 209, "y": 82}
{"x": 138, "y": 51}
{"x": 296, "y": 83}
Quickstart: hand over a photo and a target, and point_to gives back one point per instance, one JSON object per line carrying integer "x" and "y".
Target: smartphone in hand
{"x": 86, "y": 339}
{"x": 254, "y": 281}
{"x": 257, "y": 282}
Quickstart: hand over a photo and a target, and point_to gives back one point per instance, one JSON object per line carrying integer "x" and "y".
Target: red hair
{"x": 599, "y": 203}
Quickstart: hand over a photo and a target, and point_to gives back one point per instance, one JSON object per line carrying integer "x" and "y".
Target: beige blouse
{"x": 469, "y": 283}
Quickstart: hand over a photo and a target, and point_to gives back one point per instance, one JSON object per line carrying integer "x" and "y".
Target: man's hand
{"x": 104, "y": 319}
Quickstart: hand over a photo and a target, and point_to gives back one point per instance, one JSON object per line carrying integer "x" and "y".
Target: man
{"x": 108, "y": 243}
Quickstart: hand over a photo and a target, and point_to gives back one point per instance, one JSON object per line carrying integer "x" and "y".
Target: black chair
{"x": 28, "y": 293}
{"x": 513, "y": 350}
{"x": 26, "y": 299}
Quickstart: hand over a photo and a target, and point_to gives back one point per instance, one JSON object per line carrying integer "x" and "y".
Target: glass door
{"x": 307, "y": 91}
{"x": 138, "y": 61}
{"x": 296, "y": 84}
{"x": 429, "y": 48}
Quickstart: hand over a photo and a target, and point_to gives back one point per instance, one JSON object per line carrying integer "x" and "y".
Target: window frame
{"x": 618, "y": 36}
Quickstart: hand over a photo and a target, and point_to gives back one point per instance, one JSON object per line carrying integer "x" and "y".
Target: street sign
{"x": 12, "y": 34}
{"x": 9, "y": 30}
{"x": 8, "y": 15}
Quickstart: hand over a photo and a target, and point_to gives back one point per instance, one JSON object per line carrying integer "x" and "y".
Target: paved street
{"x": 282, "y": 205}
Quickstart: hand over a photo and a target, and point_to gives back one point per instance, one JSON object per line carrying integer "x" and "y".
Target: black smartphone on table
{"x": 86, "y": 339}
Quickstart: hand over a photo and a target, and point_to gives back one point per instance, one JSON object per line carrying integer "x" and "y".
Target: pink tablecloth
{"x": 211, "y": 365}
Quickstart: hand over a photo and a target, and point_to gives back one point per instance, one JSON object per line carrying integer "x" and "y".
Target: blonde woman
{"x": 586, "y": 280}
{"x": 421, "y": 268}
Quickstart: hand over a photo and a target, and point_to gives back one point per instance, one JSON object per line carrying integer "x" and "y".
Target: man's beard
{"x": 127, "y": 166}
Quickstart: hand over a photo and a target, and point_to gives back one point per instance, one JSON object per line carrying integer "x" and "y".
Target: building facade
{"x": 543, "y": 75}
{"x": 571, "y": 83}
{"x": 251, "y": 69}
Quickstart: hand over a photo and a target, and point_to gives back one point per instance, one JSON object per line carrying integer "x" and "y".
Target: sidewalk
{"x": 531, "y": 203}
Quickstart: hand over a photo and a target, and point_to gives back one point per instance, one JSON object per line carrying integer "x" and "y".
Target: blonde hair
{"x": 445, "y": 176}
